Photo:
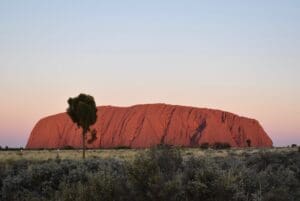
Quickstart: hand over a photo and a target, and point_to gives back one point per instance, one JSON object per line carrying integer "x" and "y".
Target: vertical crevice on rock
{"x": 224, "y": 117}
{"x": 162, "y": 140}
{"x": 138, "y": 131}
{"x": 189, "y": 113}
{"x": 240, "y": 136}
{"x": 197, "y": 134}
{"x": 106, "y": 128}
{"x": 125, "y": 119}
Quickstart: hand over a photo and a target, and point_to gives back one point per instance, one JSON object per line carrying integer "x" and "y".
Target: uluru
{"x": 147, "y": 125}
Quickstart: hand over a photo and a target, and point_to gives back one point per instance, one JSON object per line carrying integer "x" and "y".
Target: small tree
{"x": 221, "y": 145}
{"x": 83, "y": 111}
{"x": 249, "y": 142}
{"x": 294, "y": 146}
{"x": 204, "y": 145}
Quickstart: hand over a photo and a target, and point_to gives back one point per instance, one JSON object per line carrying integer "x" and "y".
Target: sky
{"x": 237, "y": 56}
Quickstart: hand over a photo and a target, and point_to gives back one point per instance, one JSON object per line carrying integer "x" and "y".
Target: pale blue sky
{"x": 240, "y": 56}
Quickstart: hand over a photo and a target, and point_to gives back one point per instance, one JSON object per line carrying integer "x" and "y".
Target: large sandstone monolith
{"x": 143, "y": 126}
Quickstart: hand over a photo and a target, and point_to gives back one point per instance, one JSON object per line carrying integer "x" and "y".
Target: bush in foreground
{"x": 158, "y": 174}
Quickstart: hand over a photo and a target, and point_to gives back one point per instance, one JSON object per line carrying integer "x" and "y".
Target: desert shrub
{"x": 3, "y": 173}
{"x": 204, "y": 145}
{"x": 122, "y": 147}
{"x": 275, "y": 172}
{"x": 40, "y": 180}
{"x": 68, "y": 147}
{"x": 168, "y": 160}
{"x": 104, "y": 185}
{"x": 196, "y": 179}
{"x": 212, "y": 179}
{"x": 277, "y": 194}
{"x": 153, "y": 175}
{"x": 14, "y": 167}
{"x": 262, "y": 160}
{"x": 43, "y": 179}
{"x": 159, "y": 173}
{"x": 6, "y": 148}
{"x": 221, "y": 145}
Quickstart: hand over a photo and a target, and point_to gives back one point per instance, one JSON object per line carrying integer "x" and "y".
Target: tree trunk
{"x": 83, "y": 144}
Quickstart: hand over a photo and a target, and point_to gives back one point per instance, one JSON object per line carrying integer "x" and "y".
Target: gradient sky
{"x": 238, "y": 56}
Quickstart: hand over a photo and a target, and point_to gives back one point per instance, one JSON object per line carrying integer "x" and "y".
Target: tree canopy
{"x": 83, "y": 111}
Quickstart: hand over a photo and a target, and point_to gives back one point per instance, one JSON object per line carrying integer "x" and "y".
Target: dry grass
{"x": 126, "y": 154}
{"x": 67, "y": 154}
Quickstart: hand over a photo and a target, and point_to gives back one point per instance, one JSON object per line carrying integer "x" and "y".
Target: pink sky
{"x": 277, "y": 113}
{"x": 238, "y": 56}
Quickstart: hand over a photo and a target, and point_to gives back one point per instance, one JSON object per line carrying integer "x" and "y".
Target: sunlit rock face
{"x": 144, "y": 126}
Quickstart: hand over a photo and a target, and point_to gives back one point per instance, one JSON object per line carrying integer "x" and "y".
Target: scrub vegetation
{"x": 160, "y": 173}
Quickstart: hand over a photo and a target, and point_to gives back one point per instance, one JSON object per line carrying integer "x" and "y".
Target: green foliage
{"x": 106, "y": 182}
{"x": 204, "y": 145}
{"x": 221, "y": 145}
{"x": 122, "y": 147}
{"x": 83, "y": 111}
{"x": 157, "y": 174}
{"x": 6, "y": 148}
{"x": 154, "y": 175}
{"x": 68, "y": 147}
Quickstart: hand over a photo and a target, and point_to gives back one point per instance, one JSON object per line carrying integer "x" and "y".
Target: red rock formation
{"x": 147, "y": 125}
